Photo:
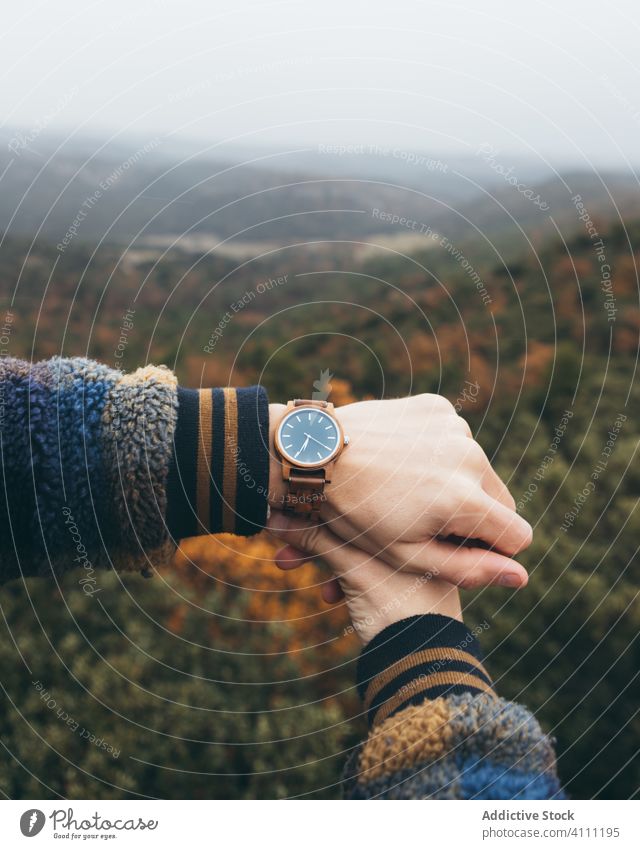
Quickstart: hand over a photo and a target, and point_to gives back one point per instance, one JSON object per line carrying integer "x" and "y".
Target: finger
{"x": 315, "y": 541}
{"x": 463, "y": 424}
{"x": 485, "y": 519}
{"x": 503, "y": 528}
{"x": 461, "y": 563}
{"x": 475, "y": 456}
{"x": 496, "y": 488}
{"x": 290, "y": 558}
{"x": 464, "y": 565}
{"x": 331, "y": 592}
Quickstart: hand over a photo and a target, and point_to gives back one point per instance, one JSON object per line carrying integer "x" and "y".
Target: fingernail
{"x": 510, "y": 579}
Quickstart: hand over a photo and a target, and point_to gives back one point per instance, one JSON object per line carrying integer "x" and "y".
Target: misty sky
{"x": 554, "y": 80}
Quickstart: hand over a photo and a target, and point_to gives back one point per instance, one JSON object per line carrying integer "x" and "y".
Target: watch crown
{"x": 346, "y": 440}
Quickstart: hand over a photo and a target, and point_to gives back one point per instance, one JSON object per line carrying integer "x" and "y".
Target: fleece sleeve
{"x": 437, "y": 728}
{"x": 100, "y": 469}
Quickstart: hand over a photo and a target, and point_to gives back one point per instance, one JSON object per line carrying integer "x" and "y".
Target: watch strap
{"x": 306, "y": 492}
{"x": 306, "y": 486}
{"x": 323, "y": 405}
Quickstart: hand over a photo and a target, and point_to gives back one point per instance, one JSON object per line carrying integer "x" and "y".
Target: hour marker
{"x": 319, "y": 454}
{"x": 287, "y": 447}
{"x": 309, "y": 416}
{"x": 331, "y": 437}
{"x": 328, "y": 427}
{"x": 298, "y": 418}
{"x": 288, "y": 424}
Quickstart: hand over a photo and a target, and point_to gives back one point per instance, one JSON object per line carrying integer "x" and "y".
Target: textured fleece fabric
{"x": 90, "y": 467}
{"x": 438, "y": 730}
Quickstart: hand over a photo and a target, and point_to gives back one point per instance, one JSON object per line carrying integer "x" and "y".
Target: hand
{"x": 412, "y": 486}
{"x": 376, "y": 594}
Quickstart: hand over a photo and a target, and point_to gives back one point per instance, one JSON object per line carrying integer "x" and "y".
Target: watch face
{"x": 308, "y": 437}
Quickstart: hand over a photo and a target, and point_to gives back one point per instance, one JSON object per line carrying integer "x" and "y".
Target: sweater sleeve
{"x": 101, "y": 469}
{"x": 437, "y": 729}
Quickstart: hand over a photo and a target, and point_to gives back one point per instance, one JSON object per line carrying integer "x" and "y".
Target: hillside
{"x": 151, "y": 194}
{"x": 540, "y": 351}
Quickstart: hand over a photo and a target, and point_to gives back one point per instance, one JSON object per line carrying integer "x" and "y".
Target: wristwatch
{"x": 308, "y": 439}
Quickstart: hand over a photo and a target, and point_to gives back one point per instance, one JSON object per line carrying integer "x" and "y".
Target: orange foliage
{"x": 626, "y": 337}
{"x": 482, "y": 377}
{"x": 341, "y": 392}
{"x": 567, "y": 268}
{"x": 499, "y": 300}
{"x": 423, "y": 351}
{"x": 627, "y": 272}
{"x": 537, "y": 361}
{"x": 245, "y": 566}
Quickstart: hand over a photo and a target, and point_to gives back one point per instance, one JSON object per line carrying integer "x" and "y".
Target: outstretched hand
{"x": 416, "y": 492}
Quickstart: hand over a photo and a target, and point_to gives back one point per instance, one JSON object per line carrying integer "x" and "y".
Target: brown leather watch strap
{"x": 306, "y": 486}
{"x": 306, "y": 492}
{"x": 300, "y": 402}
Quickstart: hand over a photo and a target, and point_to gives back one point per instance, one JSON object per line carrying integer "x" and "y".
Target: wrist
{"x": 431, "y": 597}
{"x": 417, "y": 659}
{"x": 277, "y": 485}
{"x": 403, "y": 596}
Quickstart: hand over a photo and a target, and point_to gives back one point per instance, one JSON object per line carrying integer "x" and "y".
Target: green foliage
{"x": 567, "y": 646}
{"x": 186, "y": 715}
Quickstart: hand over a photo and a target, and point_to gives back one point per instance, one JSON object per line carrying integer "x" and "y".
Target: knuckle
{"x": 437, "y": 403}
{"x": 466, "y": 450}
{"x": 509, "y": 499}
{"x": 470, "y": 580}
{"x": 463, "y": 425}
{"x": 471, "y": 452}
{"x": 449, "y": 506}
{"x": 475, "y": 452}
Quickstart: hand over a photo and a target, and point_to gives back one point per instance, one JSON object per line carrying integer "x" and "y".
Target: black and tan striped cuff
{"x": 419, "y": 658}
{"x": 219, "y": 475}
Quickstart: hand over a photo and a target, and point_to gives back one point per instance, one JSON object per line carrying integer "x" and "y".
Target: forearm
{"x": 438, "y": 730}
{"x": 106, "y": 470}
{"x": 437, "y": 727}
{"x": 85, "y": 456}
{"x": 277, "y": 484}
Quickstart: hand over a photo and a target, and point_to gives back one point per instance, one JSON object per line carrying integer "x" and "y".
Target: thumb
{"x": 313, "y": 540}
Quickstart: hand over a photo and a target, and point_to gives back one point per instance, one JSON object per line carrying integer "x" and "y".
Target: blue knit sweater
{"x": 115, "y": 469}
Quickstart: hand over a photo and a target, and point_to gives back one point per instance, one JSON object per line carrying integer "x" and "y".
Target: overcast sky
{"x": 557, "y": 80}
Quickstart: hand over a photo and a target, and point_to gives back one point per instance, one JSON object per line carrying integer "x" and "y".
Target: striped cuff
{"x": 219, "y": 474}
{"x": 419, "y": 658}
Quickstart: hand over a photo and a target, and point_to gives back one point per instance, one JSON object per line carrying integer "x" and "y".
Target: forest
{"x": 224, "y": 677}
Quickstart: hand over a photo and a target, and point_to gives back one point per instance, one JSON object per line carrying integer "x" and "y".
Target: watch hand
{"x": 302, "y": 447}
{"x": 326, "y": 447}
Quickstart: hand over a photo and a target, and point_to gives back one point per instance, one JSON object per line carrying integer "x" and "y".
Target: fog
{"x": 555, "y": 82}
